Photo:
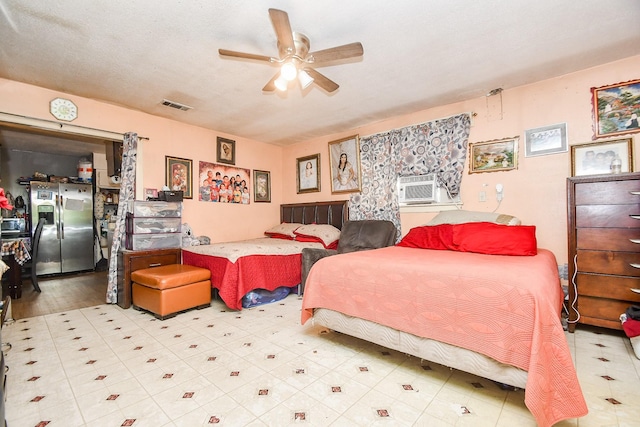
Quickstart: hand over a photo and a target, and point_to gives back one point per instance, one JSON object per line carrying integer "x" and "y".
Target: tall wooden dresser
{"x": 604, "y": 248}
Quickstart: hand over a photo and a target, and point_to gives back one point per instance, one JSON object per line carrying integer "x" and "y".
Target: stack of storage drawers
{"x": 153, "y": 225}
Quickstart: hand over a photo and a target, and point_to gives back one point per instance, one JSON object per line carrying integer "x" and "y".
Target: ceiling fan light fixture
{"x": 305, "y": 79}
{"x": 288, "y": 71}
{"x": 281, "y": 83}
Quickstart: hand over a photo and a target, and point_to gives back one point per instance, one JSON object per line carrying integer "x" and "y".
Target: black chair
{"x": 355, "y": 236}
{"x": 31, "y": 264}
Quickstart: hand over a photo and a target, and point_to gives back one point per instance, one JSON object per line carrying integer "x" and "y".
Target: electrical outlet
{"x": 499, "y": 192}
{"x": 482, "y": 196}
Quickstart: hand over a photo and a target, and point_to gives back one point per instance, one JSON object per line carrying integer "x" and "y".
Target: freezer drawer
{"x": 140, "y": 208}
{"x": 139, "y": 242}
{"x": 152, "y": 225}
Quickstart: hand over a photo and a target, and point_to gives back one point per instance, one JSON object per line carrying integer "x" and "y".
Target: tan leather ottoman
{"x": 169, "y": 289}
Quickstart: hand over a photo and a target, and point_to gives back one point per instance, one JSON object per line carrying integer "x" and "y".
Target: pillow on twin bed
{"x": 478, "y": 237}
{"x": 283, "y": 231}
{"x": 326, "y": 234}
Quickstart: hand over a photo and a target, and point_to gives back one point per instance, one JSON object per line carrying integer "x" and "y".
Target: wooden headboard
{"x": 335, "y": 213}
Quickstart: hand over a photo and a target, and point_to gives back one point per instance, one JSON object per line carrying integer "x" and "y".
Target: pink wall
{"x": 221, "y": 222}
{"x": 535, "y": 192}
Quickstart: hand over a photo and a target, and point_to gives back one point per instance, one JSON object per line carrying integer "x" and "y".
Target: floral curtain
{"x": 127, "y": 193}
{"x": 438, "y": 147}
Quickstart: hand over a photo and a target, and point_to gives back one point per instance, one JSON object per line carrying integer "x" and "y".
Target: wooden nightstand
{"x": 130, "y": 261}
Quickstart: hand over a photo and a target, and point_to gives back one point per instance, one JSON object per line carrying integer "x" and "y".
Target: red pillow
{"x": 429, "y": 237}
{"x": 495, "y": 239}
{"x": 279, "y": 236}
{"x": 305, "y": 238}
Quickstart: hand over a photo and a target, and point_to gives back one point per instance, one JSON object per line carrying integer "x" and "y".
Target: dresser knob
{"x": 635, "y": 216}
{"x": 635, "y": 193}
{"x": 634, "y": 240}
{"x": 634, "y": 265}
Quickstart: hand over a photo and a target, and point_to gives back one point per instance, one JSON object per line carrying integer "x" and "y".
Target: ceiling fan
{"x": 295, "y": 60}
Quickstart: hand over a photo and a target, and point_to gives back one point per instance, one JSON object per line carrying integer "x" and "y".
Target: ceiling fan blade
{"x": 322, "y": 81}
{"x": 350, "y": 50}
{"x": 234, "y": 54}
{"x": 271, "y": 86}
{"x": 281, "y": 24}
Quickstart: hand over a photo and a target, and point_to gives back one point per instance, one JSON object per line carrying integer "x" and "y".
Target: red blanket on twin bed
{"x": 505, "y": 307}
{"x": 240, "y": 267}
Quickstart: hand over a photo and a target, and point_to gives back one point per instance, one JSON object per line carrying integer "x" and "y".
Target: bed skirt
{"x": 428, "y": 349}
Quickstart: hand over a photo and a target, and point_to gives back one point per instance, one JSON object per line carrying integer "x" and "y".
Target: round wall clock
{"x": 63, "y": 109}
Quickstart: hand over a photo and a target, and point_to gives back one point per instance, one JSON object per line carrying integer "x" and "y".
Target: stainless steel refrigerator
{"x": 67, "y": 241}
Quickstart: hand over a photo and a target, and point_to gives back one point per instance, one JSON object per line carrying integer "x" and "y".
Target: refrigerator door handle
{"x": 61, "y": 208}
{"x": 57, "y": 223}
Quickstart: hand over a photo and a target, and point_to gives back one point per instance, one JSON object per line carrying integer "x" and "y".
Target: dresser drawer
{"x": 611, "y": 287}
{"x": 141, "y": 262}
{"x": 607, "y": 192}
{"x": 608, "y": 216}
{"x": 615, "y": 239}
{"x": 608, "y": 262}
{"x": 601, "y": 312}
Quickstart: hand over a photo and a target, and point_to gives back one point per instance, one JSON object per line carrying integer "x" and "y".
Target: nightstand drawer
{"x": 608, "y": 262}
{"x": 607, "y": 192}
{"x": 608, "y": 216}
{"x": 611, "y": 287}
{"x": 614, "y": 239}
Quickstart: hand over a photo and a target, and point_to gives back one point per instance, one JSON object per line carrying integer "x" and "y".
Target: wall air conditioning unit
{"x": 417, "y": 189}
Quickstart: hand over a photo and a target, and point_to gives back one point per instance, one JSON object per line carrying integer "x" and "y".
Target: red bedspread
{"x": 235, "y": 279}
{"x": 506, "y": 307}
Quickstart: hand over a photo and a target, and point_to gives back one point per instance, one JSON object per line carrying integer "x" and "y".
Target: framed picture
{"x": 493, "y": 156}
{"x": 178, "y": 175}
{"x": 344, "y": 161}
{"x": 545, "y": 140}
{"x": 261, "y": 186}
{"x": 224, "y": 184}
{"x": 616, "y": 109}
{"x": 150, "y": 193}
{"x": 308, "y": 173}
{"x": 596, "y": 158}
{"x": 226, "y": 150}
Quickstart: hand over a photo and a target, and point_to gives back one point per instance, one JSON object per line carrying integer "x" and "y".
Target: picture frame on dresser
{"x": 602, "y": 157}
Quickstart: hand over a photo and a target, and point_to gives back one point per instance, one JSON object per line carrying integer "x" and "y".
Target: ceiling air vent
{"x": 176, "y": 105}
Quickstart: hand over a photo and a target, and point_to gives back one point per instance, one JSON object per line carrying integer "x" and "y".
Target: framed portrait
{"x": 223, "y": 184}
{"x": 344, "y": 161}
{"x": 595, "y": 158}
{"x": 150, "y": 193}
{"x": 616, "y": 109}
{"x": 493, "y": 156}
{"x": 261, "y": 186}
{"x": 545, "y": 140}
{"x": 308, "y": 173}
{"x": 226, "y": 151}
{"x": 178, "y": 175}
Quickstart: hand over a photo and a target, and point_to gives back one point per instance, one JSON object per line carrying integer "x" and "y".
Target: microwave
{"x": 13, "y": 226}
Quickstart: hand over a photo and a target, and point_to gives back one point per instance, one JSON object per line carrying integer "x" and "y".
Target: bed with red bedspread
{"x": 264, "y": 263}
{"x": 481, "y": 298}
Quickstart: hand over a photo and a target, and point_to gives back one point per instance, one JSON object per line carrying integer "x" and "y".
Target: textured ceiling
{"x": 417, "y": 54}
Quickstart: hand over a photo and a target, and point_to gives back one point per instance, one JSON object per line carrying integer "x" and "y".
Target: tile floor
{"x": 105, "y": 366}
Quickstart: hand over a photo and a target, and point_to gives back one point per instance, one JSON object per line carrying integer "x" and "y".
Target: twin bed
{"x": 492, "y": 314}
{"x": 264, "y": 263}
